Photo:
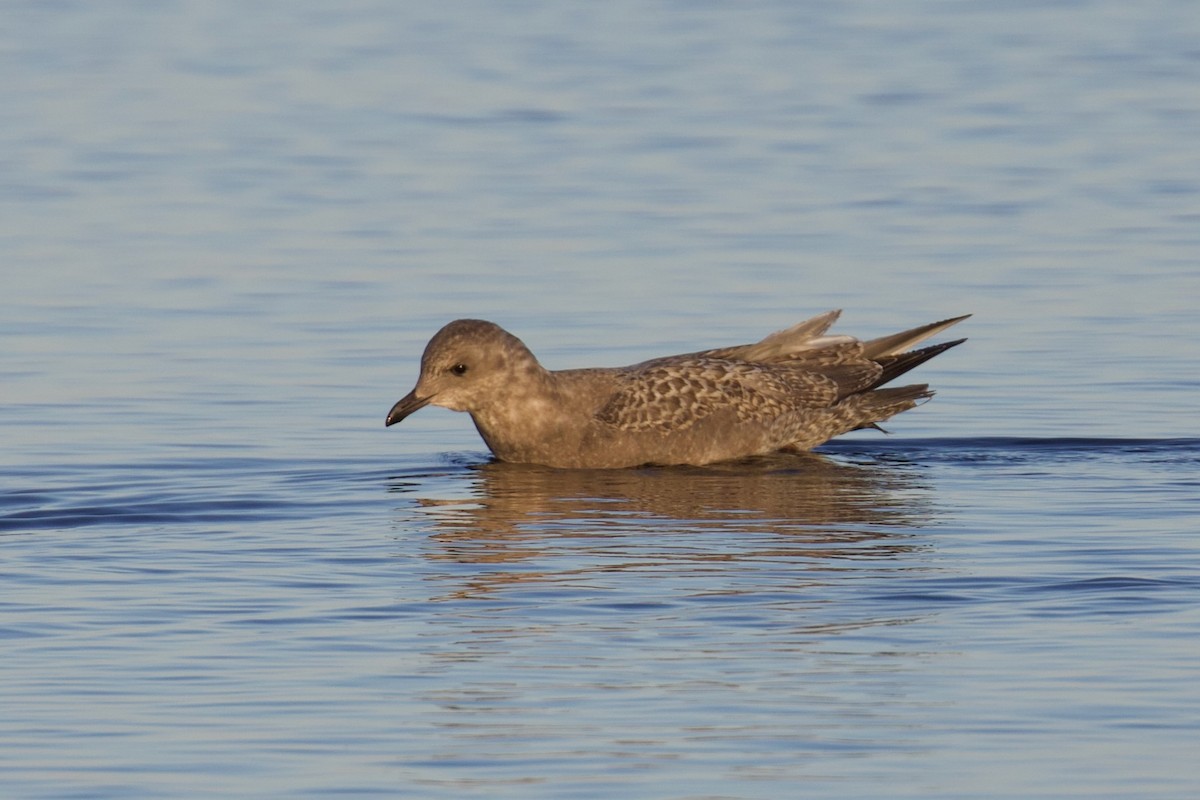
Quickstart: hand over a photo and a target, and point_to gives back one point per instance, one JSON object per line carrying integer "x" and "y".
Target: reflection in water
{"x": 788, "y": 507}
{"x": 655, "y": 590}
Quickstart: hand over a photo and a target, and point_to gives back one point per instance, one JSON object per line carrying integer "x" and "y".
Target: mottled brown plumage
{"x": 792, "y": 391}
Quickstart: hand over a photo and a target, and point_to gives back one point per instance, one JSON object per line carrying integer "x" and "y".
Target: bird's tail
{"x": 897, "y": 365}
{"x": 871, "y": 408}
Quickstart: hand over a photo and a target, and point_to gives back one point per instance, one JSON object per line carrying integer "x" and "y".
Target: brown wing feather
{"x": 673, "y": 394}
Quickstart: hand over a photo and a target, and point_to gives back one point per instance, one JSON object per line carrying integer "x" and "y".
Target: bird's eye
{"x": 459, "y": 369}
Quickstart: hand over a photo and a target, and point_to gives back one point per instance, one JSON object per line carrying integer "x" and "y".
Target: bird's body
{"x": 792, "y": 391}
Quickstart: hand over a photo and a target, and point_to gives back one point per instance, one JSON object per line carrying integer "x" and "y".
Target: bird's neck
{"x": 526, "y": 418}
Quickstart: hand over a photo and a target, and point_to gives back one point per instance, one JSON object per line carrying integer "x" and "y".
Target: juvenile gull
{"x": 792, "y": 391}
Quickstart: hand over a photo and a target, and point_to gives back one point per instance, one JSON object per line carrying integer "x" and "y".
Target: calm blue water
{"x": 227, "y": 230}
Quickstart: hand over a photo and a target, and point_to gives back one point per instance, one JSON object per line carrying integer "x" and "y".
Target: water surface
{"x": 226, "y": 232}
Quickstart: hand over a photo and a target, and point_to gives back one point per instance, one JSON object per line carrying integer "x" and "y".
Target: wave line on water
{"x": 1063, "y": 444}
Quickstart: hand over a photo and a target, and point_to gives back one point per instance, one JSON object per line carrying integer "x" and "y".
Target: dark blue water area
{"x": 203, "y": 491}
{"x": 1089, "y": 519}
{"x": 1017, "y": 448}
{"x": 225, "y": 489}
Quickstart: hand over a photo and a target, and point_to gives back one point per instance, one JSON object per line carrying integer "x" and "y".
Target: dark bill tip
{"x": 407, "y": 405}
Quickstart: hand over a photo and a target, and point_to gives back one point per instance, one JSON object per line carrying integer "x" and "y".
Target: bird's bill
{"x": 407, "y": 405}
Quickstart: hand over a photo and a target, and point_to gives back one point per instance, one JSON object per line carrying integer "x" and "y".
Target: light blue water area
{"x": 227, "y": 231}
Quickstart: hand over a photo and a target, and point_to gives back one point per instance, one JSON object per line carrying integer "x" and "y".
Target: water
{"x": 226, "y": 232}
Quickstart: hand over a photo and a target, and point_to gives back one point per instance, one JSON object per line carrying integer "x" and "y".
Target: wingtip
{"x": 899, "y": 343}
{"x": 897, "y": 365}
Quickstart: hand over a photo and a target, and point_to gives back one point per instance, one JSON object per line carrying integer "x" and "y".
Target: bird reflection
{"x": 808, "y": 507}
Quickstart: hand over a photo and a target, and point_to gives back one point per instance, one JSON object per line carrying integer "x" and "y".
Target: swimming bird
{"x": 792, "y": 391}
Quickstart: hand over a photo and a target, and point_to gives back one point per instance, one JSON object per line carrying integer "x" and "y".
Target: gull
{"x": 790, "y": 392}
